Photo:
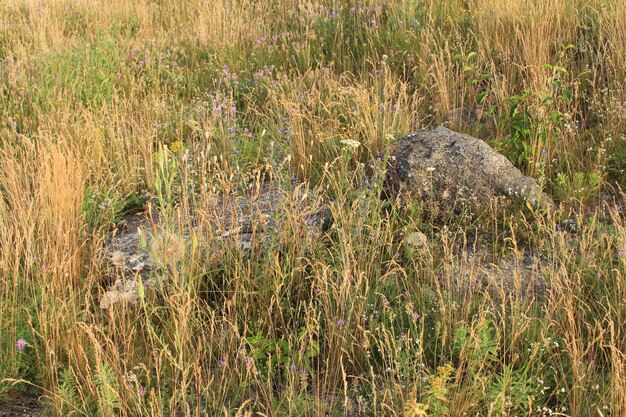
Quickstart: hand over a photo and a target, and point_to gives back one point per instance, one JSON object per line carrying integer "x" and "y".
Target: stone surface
{"x": 510, "y": 276}
{"x": 240, "y": 219}
{"x": 416, "y": 240}
{"x": 21, "y": 405}
{"x": 455, "y": 171}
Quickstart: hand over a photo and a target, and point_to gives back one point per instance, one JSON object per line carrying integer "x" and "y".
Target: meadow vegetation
{"x": 109, "y": 107}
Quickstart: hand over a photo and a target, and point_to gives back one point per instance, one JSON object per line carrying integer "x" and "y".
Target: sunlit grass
{"x": 179, "y": 108}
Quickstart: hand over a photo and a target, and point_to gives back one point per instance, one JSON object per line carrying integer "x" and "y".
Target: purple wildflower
{"x": 222, "y": 362}
{"x": 20, "y": 345}
{"x": 142, "y": 391}
{"x": 341, "y": 323}
{"x": 293, "y": 368}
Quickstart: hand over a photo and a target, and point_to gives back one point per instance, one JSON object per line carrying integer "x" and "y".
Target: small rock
{"x": 123, "y": 290}
{"x": 417, "y": 240}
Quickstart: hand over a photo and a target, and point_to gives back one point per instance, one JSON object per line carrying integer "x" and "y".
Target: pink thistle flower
{"x": 20, "y": 345}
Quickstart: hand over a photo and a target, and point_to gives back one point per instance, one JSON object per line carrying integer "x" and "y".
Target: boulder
{"x": 456, "y": 171}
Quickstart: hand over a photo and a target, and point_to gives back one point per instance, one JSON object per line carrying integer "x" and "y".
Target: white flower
{"x": 351, "y": 143}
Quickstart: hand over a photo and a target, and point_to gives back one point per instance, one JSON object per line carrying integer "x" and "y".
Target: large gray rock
{"x": 237, "y": 222}
{"x": 456, "y": 171}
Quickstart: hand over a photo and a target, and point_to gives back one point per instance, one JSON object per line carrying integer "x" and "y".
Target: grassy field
{"x": 108, "y": 107}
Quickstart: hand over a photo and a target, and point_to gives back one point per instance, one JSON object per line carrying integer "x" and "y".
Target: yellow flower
{"x": 177, "y": 147}
{"x": 445, "y": 371}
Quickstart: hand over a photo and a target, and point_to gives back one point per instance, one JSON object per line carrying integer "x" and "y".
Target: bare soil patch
{"x": 21, "y": 405}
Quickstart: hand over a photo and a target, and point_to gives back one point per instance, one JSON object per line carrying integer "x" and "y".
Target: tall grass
{"x": 179, "y": 108}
